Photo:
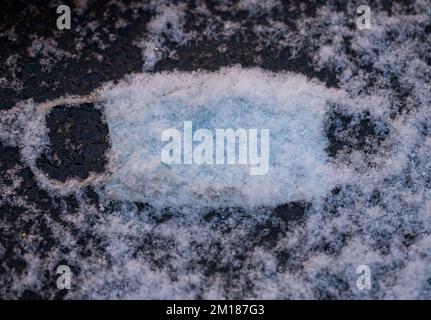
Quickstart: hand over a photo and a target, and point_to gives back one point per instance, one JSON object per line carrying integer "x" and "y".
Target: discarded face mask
{"x": 288, "y": 107}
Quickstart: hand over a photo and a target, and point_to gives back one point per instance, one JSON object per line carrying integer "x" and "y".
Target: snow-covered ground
{"x": 349, "y": 182}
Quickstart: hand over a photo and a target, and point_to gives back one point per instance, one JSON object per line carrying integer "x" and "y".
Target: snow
{"x": 290, "y": 107}
{"x": 365, "y": 205}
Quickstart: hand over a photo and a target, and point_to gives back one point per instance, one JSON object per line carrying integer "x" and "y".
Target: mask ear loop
{"x": 31, "y": 148}
{"x": 31, "y": 138}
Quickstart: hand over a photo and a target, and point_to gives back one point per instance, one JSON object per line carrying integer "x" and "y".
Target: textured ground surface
{"x": 380, "y": 216}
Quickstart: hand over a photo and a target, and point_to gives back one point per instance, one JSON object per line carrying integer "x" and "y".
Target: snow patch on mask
{"x": 291, "y": 107}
